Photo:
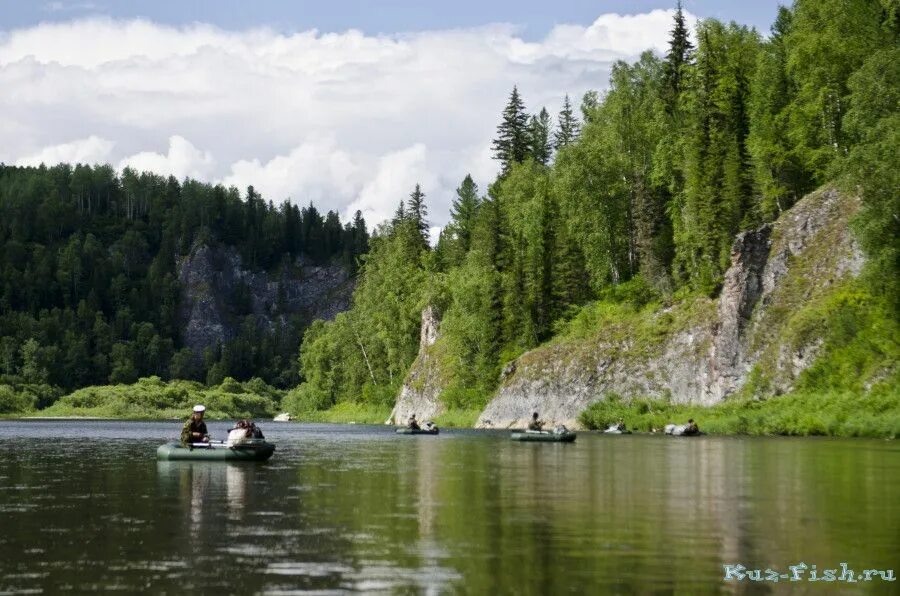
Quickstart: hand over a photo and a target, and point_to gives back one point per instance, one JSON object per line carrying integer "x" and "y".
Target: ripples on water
{"x": 85, "y": 506}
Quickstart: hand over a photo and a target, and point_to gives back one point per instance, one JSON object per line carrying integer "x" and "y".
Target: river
{"x": 85, "y": 506}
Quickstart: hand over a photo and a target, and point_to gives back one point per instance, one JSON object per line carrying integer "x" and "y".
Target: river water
{"x": 85, "y": 506}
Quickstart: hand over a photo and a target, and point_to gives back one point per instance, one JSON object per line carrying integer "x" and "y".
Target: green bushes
{"x": 835, "y": 413}
{"x": 24, "y": 398}
{"x": 151, "y": 397}
{"x": 13, "y": 402}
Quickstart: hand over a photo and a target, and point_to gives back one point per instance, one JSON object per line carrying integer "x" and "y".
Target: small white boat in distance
{"x": 283, "y": 417}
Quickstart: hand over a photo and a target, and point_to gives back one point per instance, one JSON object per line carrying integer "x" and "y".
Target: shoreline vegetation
{"x": 875, "y": 414}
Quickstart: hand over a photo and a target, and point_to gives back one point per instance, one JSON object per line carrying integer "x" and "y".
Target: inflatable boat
{"x": 543, "y": 436}
{"x": 254, "y": 450}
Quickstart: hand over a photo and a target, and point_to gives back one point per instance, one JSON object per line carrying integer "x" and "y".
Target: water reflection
{"x": 342, "y": 508}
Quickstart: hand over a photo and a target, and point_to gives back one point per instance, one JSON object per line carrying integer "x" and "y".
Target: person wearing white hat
{"x": 194, "y": 430}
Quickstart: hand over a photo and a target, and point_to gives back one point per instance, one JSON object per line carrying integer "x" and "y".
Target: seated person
{"x": 194, "y": 430}
{"x": 412, "y": 422}
{"x": 535, "y": 424}
{"x": 242, "y": 431}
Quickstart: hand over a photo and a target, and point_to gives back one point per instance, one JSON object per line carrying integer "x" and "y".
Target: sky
{"x": 347, "y": 103}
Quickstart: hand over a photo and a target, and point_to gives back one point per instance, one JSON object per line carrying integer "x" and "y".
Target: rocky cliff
{"x": 217, "y": 293}
{"x": 421, "y": 390}
{"x": 701, "y": 350}
{"x": 698, "y": 350}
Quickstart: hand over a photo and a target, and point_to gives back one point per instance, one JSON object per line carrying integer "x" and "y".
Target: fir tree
{"x": 463, "y": 211}
{"x": 540, "y": 132}
{"x": 512, "y": 143}
{"x": 417, "y": 212}
{"x": 567, "y": 131}
{"x": 677, "y": 59}
{"x": 399, "y": 214}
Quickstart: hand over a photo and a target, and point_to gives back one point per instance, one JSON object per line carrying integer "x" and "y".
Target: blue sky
{"x": 374, "y": 17}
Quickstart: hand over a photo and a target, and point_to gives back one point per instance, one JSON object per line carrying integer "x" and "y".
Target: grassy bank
{"x": 151, "y": 398}
{"x": 840, "y": 414}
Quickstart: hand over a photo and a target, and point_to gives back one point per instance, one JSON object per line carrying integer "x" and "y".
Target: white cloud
{"x": 182, "y": 160}
{"x": 393, "y": 179}
{"x": 317, "y": 171}
{"x": 346, "y": 120}
{"x": 93, "y": 149}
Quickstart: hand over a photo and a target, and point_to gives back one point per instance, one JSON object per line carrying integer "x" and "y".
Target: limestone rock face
{"x": 217, "y": 293}
{"x": 421, "y": 390}
{"x": 704, "y": 353}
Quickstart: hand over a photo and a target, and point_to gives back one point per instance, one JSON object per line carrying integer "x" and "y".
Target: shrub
{"x": 14, "y": 402}
{"x": 304, "y": 399}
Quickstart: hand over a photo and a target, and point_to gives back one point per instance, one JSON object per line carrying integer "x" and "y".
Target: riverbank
{"x": 836, "y": 414}
{"x": 874, "y": 414}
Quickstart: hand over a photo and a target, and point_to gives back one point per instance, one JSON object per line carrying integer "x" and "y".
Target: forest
{"x": 88, "y": 283}
{"x": 634, "y": 195}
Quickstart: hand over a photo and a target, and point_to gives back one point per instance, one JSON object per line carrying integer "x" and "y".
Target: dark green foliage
{"x": 718, "y": 184}
{"x": 88, "y": 281}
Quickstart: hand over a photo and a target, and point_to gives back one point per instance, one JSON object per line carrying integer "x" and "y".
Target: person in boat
{"x": 243, "y": 431}
{"x": 251, "y": 431}
{"x": 535, "y": 424}
{"x": 691, "y": 428}
{"x": 412, "y": 422}
{"x": 194, "y": 430}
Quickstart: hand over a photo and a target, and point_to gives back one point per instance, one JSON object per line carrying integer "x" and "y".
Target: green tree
{"x": 540, "y": 133}
{"x": 568, "y": 128}
{"x": 513, "y": 141}
{"x": 417, "y": 213}
{"x": 678, "y": 59}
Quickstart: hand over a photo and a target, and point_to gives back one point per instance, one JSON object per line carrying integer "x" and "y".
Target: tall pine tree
{"x": 677, "y": 60}
{"x": 540, "y": 132}
{"x": 464, "y": 210}
{"x": 567, "y": 129}
{"x": 513, "y": 141}
{"x": 417, "y": 213}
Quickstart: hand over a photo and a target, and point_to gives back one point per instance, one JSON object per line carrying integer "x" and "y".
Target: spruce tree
{"x": 463, "y": 211}
{"x": 567, "y": 130}
{"x": 590, "y": 101}
{"x": 677, "y": 59}
{"x": 399, "y": 214}
{"x": 417, "y": 212}
{"x": 540, "y": 132}
{"x": 512, "y": 143}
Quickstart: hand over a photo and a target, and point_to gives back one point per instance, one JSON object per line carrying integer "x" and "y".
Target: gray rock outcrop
{"x": 703, "y": 351}
{"x": 421, "y": 390}
{"x": 217, "y": 293}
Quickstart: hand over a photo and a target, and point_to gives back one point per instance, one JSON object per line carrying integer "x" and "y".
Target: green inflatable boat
{"x": 251, "y": 451}
{"x": 417, "y": 431}
{"x": 543, "y": 436}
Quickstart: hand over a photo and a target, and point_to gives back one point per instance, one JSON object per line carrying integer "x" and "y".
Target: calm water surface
{"x": 85, "y": 506}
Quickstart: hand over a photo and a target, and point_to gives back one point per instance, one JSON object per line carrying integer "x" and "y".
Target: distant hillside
{"x": 106, "y": 278}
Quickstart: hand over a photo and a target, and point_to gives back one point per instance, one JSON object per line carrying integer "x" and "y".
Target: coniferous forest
{"x": 88, "y": 282}
{"x": 632, "y": 195}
